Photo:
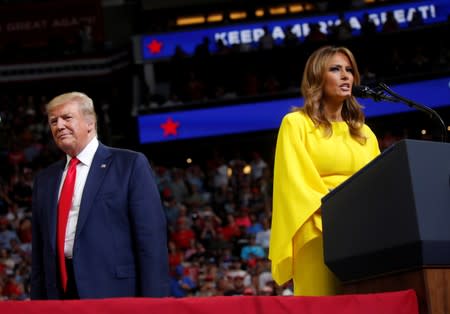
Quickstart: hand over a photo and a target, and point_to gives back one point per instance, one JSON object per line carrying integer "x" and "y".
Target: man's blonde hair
{"x": 84, "y": 102}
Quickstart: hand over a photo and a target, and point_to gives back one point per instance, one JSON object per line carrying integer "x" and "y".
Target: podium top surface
{"x": 400, "y": 145}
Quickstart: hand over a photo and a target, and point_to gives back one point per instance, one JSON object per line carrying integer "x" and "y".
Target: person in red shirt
{"x": 183, "y": 235}
{"x": 231, "y": 230}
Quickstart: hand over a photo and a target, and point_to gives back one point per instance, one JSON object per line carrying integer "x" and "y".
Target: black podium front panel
{"x": 393, "y": 215}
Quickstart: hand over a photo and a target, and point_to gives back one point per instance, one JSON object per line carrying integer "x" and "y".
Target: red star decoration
{"x": 170, "y": 127}
{"x": 155, "y": 46}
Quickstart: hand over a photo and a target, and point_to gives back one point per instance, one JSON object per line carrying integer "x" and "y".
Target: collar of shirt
{"x": 87, "y": 154}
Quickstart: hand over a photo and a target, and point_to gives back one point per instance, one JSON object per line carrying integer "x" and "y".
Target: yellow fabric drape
{"x": 307, "y": 166}
{"x": 310, "y": 268}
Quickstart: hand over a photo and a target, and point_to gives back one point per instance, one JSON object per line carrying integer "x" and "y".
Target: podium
{"x": 387, "y": 227}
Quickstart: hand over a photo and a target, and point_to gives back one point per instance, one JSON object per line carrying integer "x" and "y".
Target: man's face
{"x": 71, "y": 129}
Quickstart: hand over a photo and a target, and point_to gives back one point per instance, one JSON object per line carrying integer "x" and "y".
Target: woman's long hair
{"x": 312, "y": 90}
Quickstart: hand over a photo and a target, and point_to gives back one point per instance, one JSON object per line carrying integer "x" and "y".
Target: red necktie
{"x": 64, "y": 205}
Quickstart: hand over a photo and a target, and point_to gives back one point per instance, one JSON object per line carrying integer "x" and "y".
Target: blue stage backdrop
{"x": 162, "y": 45}
{"x": 267, "y": 115}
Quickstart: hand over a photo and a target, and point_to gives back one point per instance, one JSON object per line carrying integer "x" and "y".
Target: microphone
{"x": 362, "y": 91}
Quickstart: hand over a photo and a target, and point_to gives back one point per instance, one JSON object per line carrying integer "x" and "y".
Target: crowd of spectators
{"x": 23, "y": 150}
{"x": 219, "y": 227}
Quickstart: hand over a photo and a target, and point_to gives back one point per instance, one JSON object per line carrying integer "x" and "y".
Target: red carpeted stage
{"x": 401, "y": 302}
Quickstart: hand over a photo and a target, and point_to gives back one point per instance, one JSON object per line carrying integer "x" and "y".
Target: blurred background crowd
{"x": 217, "y": 202}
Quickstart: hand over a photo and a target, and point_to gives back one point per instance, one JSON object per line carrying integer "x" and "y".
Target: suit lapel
{"x": 54, "y": 181}
{"x": 97, "y": 172}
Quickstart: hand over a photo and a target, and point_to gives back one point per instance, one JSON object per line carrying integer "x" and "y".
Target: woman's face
{"x": 338, "y": 79}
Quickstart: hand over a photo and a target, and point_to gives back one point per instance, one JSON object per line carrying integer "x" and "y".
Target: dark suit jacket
{"x": 120, "y": 247}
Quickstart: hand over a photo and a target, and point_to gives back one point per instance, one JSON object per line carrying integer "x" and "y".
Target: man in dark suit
{"x": 111, "y": 241}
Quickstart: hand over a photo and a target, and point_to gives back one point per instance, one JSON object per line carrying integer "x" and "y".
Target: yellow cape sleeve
{"x": 297, "y": 192}
{"x": 374, "y": 147}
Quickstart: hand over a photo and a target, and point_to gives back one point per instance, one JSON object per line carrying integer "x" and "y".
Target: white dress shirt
{"x": 85, "y": 157}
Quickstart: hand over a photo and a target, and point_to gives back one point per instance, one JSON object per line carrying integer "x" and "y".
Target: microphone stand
{"x": 410, "y": 103}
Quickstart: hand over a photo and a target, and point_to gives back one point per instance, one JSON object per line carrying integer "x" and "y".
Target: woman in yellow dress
{"x": 319, "y": 146}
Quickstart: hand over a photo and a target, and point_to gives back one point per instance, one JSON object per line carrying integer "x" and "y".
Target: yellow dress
{"x": 307, "y": 166}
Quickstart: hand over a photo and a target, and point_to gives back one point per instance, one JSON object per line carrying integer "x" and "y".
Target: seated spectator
{"x": 17, "y": 254}
{"x": 265, "y": 276}
{"x": 32, "y": 148}
{"x": 22, "y": 189}
{"x": 6, "y": 234}
{"x": 255, "y": 226}
{"x": 16, "y": 156}
{"x": 237, "y": 287}
{"x": 226, "y": 258}
{"x": 229, "y": 203}
{"x": 221, "y": 174}
{"x": 252, "y": 249}
{"x": 223, "y": 285}
{"x": 162, "y": 177}
{"x": 24, "y": 231}
{"x": 13, "y": 290}
{"x": 171, "y": 208}
{"x": 183, "y": 235}
{"x": 231, "y": 230}
{"x": 7, "y": 261}
{"x": 176, "y": 256}
{"x": 249, "y": 291}
{"x": 195, "y": 176}
{"x": 195, "y": 251}
{"x": 266, "y": 291}
{"x": 180, "y": 284}
{"x": 242, "y": 219}
{"x": 217, "y": 244}
{"x": 287, "y": 289}
{"x": 196, "y": 198}
{"x": 208, "y": 234}
{"x": 178, "y": 185}
{"x": 2, "y": 296}
{"x": 236, "y": 270}
{"x": 5, "y": 202}
{"x": 262, "y": 237}
{"x": 208, "y": 289}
